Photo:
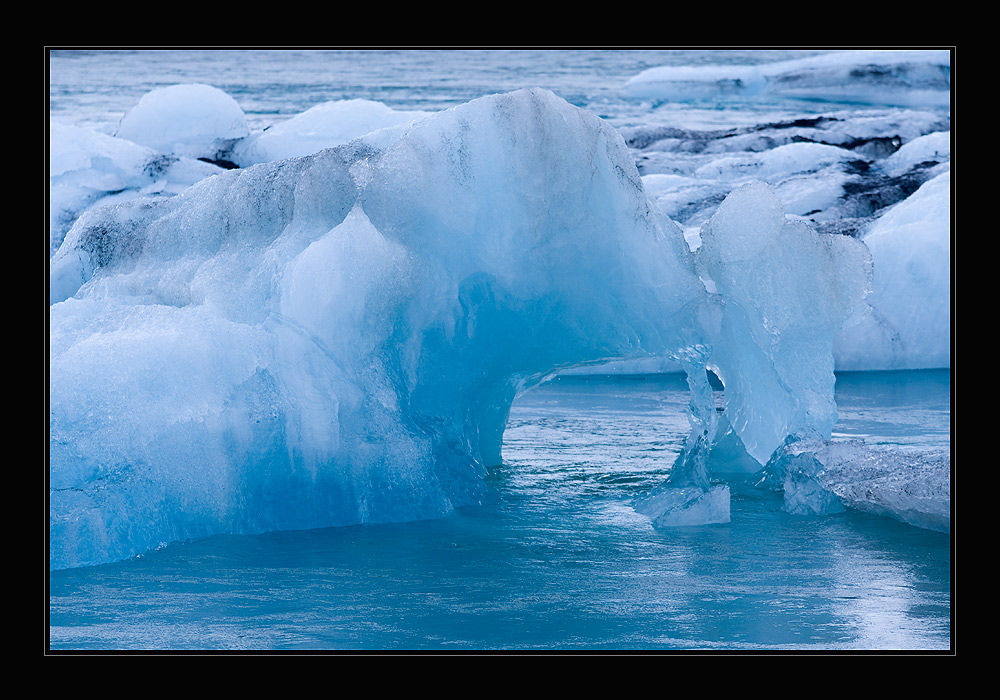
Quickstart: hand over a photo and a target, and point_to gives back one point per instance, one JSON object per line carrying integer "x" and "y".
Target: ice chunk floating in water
{"x": 784, "y": 292}
{"x": 910, "y": 484}
{"x": 337, "y": 338}
{"x": 906, "y": 78}
{"x": 198, "y": 121}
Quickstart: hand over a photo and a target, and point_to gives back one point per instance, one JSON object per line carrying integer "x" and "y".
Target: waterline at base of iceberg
{"x": 556, "y": 558}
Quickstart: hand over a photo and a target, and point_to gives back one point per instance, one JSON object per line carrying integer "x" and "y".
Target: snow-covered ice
{"x": 88, "y": 169}
{"x": 196, "y": 120}
{"x": 910, "y": 324}
{"x": 325, "y": 126}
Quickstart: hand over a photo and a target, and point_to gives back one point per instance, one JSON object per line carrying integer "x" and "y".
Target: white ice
{"x": 686, "y": 506}
{"x": 194, "y": 120}
{"x": 788, "y": 291}
{"x": 934, "y": 147}
{"x": 88, "y": 169}
{"x": 905, "y": 78}
{"x": 325, "y": 126}
{"x": 910, "y": 323}
{"x": 910, "y": 484}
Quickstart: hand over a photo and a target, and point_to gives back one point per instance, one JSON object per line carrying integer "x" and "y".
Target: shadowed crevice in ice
{"x": 337, "y": 338}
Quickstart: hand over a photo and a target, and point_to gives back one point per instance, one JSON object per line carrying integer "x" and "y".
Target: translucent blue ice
{"x": 337, "y": 338}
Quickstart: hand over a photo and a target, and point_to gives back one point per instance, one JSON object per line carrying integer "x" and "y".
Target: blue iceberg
{"x": 337, "y": 338}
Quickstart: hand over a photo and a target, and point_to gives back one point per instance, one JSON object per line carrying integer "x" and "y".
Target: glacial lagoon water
{"x": 557, "y": 560}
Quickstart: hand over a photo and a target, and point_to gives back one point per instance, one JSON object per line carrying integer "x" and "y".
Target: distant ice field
{"x": 96, "y": 88}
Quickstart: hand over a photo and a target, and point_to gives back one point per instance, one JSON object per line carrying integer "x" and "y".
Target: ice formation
{"x": 181, "y": 134}
{"x": 195, "y": 120}
{"x": 669, "y": 506}
{"x": 910, "y": 324}
{"x": 917, "y": 77}
{"x": 88, "y": 169}
{"x": 337, "y": 338}
{"x": 785, "y": 292}
{"x": 788, "y": 292}
{"x": 325, "y": 126}
{"x": 932, "y": 149}
{"x": 910, "y": 484}
{"x": 878, "y": 175}
{"x": 842, "y": 171}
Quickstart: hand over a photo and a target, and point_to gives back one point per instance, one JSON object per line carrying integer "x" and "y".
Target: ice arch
{"x": 338, "y": 338}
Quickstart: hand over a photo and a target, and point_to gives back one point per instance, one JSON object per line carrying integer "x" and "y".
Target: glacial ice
{"x": 834, "y": 171}
{"x": 337, "y": 338}
{"x": 88, "y": 169}
{"x": 910, "y": 484}
{"x": 788, "y": 291}
{"x": 325, "y": 126}
{"x": 910, "y": 323}
{"x": 685, "y": 506}
{"x": 933, "y": 148}
{"x": 905, "y": 78}
{"x": 194, "y": 120}
{"x": 878, "y": 175}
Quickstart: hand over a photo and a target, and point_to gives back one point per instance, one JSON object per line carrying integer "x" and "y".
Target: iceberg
{"x": 879, "y": 175}
{"x": 890, "y": 77}
{"x": 909, "y": 484}
{"x": 337, "y": 338}
{"x": 685, "y": 506}
{"x": 838, "y": 171}
{"x": 933, "y": 149}
{"x": 181, "y": 134}
{"x": 192, "y": 120}
{"x": 788, "y": 291}
{"x": 325, "y": 126}
{"x": 88, "y": 169}
{"x": 910, "y": 323}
